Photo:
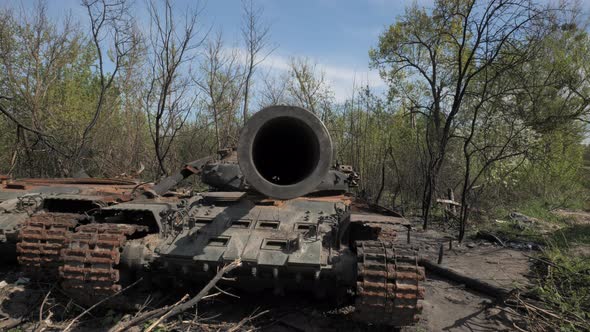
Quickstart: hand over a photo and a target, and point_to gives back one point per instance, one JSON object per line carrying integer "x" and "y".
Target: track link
{"x": 388, "y": 289}
{"x": 90, "y": 261}
{"x": 41, "y": 240}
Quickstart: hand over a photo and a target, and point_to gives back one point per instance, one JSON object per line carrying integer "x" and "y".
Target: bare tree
{"x": 308, "y": 87}
{"x": 222, "y": 82}
{"x": 256, "y": 39}
{"x": 274, "y": 89}
{"x": 170, "y": 97}
{"x": 113, "y": 34}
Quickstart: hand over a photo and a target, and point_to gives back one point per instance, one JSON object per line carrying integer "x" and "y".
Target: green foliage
{"x": 374, "y": 135}
{"x": 7, "y": 143}
{"x": 552, "y": 174}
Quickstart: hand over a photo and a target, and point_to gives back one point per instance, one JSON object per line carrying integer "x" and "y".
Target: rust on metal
{"x": 85, "y": 186}
{"x": 79, "y": 181}
{"x": 90, "y": 260}
{"x": 388, "y": 289}
{"x": 41, "y": 240}
{"x": 84, "y": 257}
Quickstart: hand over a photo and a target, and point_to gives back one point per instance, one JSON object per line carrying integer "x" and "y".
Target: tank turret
{"x": 283, "y": 152}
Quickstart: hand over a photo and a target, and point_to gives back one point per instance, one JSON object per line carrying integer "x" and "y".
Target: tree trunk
{"x": 464, "y": 217}
{"x": 378, "y": 198}
{"x": 426, "y": 204}
{"x": 247, "y": 90}
{"x": 429, "y": 188}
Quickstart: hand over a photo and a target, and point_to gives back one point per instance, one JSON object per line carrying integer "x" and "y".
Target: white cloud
{"x": 342, "y": 79}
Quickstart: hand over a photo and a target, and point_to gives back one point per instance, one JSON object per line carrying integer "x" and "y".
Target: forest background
{"x": 488, "y": 100}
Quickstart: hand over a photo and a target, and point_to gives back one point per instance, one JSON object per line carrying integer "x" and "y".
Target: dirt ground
{"x": 447, "y": 306}
{"x": 451, "y": 307}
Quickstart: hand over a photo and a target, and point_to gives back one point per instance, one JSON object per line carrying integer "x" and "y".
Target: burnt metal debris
{"x": 275, "y": 202}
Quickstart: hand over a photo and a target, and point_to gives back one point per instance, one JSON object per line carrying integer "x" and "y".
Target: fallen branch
{"x": 471, "y": 283}
{"x": 168, "y": 311}
{"x": 544, "y": 319}
{"x": 161, "y": 319}
{"x": 447, "y": 201}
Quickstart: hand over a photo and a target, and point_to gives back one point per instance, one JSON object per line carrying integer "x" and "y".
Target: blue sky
{"x": 335, "y": 34}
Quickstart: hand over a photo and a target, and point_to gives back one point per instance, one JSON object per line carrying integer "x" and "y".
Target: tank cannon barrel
{"x": 284, "y": 151}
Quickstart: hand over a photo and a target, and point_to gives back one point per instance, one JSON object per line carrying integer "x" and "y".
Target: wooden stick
{"x": 157, "y": 322}
{"x": 43, "y": 305}
{"x": 138, "y": 319}
{"x": 226, "y": 292}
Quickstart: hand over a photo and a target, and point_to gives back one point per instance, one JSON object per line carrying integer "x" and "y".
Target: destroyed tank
{"x": 276, "y": 203}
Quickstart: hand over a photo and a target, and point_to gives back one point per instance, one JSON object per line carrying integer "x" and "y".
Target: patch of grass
{"x": 564, "y": 286}
{"x": 534, "y": 208}
{"x": 580, "y": 204}
{"x": 540, "y": 210}
{"x": 530, "y": 232}
{"x": 511, "y": 231}
{"x": 577, "y": 234}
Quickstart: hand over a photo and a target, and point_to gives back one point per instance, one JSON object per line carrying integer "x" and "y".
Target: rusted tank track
{"x": 388, "y": 290}
{"x": 41, "y": 240}
{"x": 91, "y": 259}
{"x": 84, "y": 258}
